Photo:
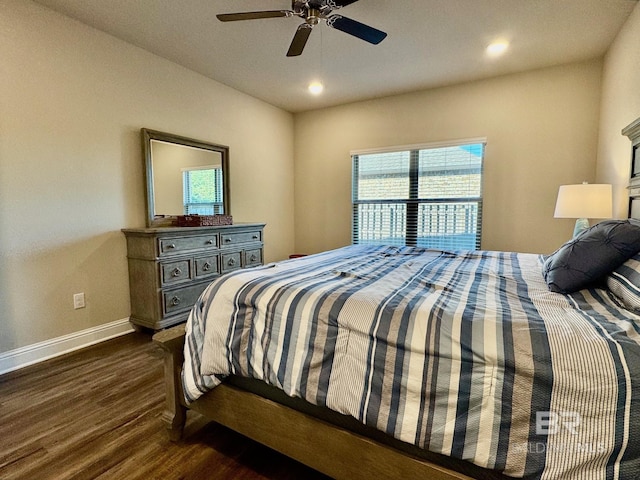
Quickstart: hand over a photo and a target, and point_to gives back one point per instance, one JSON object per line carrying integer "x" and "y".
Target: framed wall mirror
{"x": 184, "y": 177}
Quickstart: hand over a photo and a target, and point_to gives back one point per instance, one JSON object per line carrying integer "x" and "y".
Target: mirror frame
{"x": 147, "y": 136}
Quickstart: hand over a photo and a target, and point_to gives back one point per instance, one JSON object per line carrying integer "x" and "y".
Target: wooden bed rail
{"x": 332, "y": 450}
{"x": 175, "y": 413}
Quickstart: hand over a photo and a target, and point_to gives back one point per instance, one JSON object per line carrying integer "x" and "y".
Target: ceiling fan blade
{"x": 233, "y": 17}
{"x": 299, "y": 40}
{"x": 357, "y": 29}
{"x": 336, "y": 4}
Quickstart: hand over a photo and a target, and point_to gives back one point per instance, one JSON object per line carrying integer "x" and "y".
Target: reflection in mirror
{"x": 184, "y": 177}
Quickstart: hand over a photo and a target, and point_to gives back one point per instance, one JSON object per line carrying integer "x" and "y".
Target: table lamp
{"x": 584, "y": 201}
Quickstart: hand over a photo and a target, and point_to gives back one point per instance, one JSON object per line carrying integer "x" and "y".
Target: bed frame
{"x": 330, "y": 449}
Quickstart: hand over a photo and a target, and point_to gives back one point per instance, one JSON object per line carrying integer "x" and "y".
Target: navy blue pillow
{"x": 591, "y": 255}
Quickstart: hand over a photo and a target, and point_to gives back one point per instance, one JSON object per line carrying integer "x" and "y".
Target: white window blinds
{"x": 428, "y": 197}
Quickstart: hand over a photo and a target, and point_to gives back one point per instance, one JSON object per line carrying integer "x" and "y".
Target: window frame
{"x": 216, "y": 206}
{"x": 413, "y": 201}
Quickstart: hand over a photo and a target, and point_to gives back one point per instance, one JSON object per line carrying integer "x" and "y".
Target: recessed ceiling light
{"x": 316, "y": 88}
{"x": 497, "y": 48}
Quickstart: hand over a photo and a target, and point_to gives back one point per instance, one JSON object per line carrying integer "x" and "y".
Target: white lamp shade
{"x": 584, "y": 201}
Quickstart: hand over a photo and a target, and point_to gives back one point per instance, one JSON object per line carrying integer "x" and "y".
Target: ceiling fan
{"x": 312, "y": 11}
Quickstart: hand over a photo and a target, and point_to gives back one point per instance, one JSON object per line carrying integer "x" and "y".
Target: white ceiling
{"x": 430, "y": 43}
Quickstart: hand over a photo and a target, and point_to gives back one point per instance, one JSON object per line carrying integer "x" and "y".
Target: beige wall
{"x": 72, "y": 102}
{"x": 620, "y": 107}
{"x": 541, "y": 129}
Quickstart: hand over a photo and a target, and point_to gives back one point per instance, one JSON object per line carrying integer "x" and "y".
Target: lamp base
{"x": 581, "y": 225}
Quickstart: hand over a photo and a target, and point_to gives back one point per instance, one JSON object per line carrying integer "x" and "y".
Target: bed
{"x": 404, "y": 362}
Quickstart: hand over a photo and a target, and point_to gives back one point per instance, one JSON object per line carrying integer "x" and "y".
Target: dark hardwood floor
{"x": 95, "y": 414}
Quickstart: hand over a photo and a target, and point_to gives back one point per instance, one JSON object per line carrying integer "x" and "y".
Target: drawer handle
{"x": 206, "y": 267}
{"x": 175, "y": 301}
{"x": 255, "y": 237}
{"x": 171, "y": 245}
{"x": 227, "y": 240}
{"x": 253, "y": 257}
{"x": 177, "y": 272}
{"x": 231, "y": 262}
{"x": 209, "y": 242}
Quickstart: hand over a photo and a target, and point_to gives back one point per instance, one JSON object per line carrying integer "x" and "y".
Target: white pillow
{"x": 624, "y": 283}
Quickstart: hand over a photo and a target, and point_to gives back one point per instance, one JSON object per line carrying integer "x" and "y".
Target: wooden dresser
{"x": 169, "y": 267}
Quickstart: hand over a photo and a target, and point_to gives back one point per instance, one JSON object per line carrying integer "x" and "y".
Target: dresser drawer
{"x": 174, "y": 245}
{"x": 174, "y": 301}
{"x": 253, "y": 257}
{"x": 175, "y": 272}
{"x": 206, "y": 266}
{"x": 240, "y": 237}
{"x": 230, "y": 261}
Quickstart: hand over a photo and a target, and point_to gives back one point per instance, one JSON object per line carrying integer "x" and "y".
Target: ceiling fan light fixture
{"x": 498, "y": 48}
{"x": 316, "y": 88}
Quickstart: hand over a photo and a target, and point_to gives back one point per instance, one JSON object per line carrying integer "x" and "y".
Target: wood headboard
{"x": 633, "y": 132}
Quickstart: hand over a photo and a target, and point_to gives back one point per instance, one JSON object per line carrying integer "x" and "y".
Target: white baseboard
{"x": 38, "y": 352}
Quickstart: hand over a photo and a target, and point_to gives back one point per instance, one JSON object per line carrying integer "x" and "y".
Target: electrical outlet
{"x": 78, "y": 300}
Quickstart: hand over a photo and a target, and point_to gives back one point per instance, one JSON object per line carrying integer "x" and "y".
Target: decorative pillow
{"x": 591, "y": 255}
{"x": 624, "y": 283}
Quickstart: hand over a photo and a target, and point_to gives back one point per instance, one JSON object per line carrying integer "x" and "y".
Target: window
{"x": 202, "y": 191}
{"x": 422, "y": 196}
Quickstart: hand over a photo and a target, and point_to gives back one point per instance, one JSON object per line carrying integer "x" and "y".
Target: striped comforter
{"x": 467, "y": 354}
